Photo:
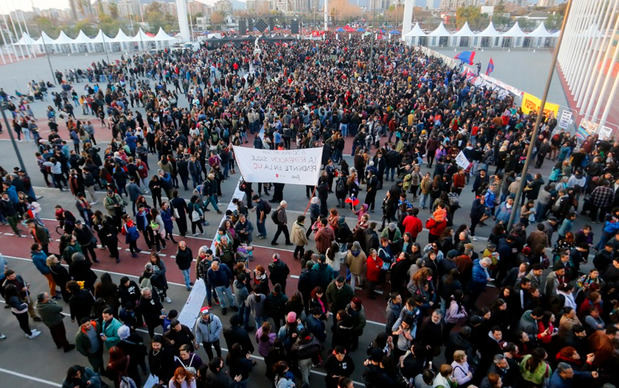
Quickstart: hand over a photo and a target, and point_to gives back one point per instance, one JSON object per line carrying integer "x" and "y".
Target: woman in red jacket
{"x": 374, "y": 266}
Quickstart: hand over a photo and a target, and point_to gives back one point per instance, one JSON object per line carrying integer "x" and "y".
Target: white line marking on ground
{"x": 28, "y": 377}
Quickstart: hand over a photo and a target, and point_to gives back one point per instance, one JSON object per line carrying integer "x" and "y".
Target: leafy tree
{"x": 553, "y": 22}
{"x": 113, "y": 7}
{"x": 217, "y": 18}
{"x": 473, "y": 16}
{"x": 155, "y": 16}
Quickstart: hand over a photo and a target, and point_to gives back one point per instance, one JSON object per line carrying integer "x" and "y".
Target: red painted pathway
{"x": 12, "y": 245}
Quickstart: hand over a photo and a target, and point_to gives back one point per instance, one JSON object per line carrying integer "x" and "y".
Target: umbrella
{"x": 394, "y": 32}
{"x": 360, "y": 29}
{"x": 340, "y": 29}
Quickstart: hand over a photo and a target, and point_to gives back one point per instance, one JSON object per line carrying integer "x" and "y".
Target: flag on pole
{"x": 490, "y": 68}
{"x": 466, "y": 56}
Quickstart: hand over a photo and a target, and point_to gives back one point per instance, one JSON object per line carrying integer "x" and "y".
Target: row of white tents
{"x": 101, "y": 42}
{"x": 488, "y": 38}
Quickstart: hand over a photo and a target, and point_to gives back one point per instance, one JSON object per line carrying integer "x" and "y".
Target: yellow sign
{"x": 532, "y": 103}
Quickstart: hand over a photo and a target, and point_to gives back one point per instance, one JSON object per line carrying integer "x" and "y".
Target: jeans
{"x": 224, "y": 293}
{"x": 212, "y": 199}
{"x": 344, "y": 129}
{"x": 185, "y": 273}
{"x": 305, "y": 366}
{"x": 423, "y": 199}
{"x": 262, "y": 230}
{"x": 244, "y": 314}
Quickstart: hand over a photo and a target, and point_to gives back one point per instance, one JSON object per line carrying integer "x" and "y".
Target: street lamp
{"x": 3, "y": 106}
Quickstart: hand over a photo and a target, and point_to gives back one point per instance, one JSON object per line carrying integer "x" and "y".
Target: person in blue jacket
{"x": 565, "y": 376}
{"x": 39, "y": 259}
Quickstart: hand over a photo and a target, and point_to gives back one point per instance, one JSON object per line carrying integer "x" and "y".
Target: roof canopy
{"x": 465, "y": 31}
{"x": 415, "y": 31}
{"x": 490, "y": 31}
{"x": 82, "y": 38}
{"x": 121, "y": 37}
{"x": 141, "y": 36}
{"x": 63, "y": 39}
{"x": 540, "y": 32}
{"x": 101, "y": 38}
{"x": 163, "y": 36}
{"x": 514, "y": 32}
{"x": 25, "y": 40}
{"x": 440, "y": 31}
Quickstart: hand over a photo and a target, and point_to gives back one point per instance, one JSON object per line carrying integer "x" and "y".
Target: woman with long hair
{"x": 19, "y": 309}
{"x": 265, "y": 338}
{"x": 158, "y": 279}
{"x": 182, "y": 379}
{"x": 118, "y": 366}
{"x": 155, "y": 230}
{"x": 534, "y": 368}
{"x": 108, "y": 290}
{"x": 59, "y": 274}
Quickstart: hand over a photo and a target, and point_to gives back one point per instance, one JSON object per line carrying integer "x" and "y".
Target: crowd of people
{"x": 521, "y": 312}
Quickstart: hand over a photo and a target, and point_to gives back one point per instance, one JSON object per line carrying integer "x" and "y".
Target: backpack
{"x": 274, "y": 217}
{"x": 267, "y": 207}
{"x": 340, "y": 186}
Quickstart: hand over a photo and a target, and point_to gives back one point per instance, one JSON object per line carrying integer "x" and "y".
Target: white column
{"x": 594, "y": 42}
{"x": 2, "y": 48}
{"x": 570, "y": 32}
{"x": 582, "y": 41}
{"x": 607, "y": 79}
{"x": 610, "y": 101}
{"x": 183, "y": 24}
{"x": 599, "y": 47}
{"x": 576, "y": 35}
{"x": 326, "y": 15}
{"x": 407, "y": 18}
{"x": 598, "y": 80}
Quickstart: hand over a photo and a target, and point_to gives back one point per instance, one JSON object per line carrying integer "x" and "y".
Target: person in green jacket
{"x": 70, "y": 249}
{"x": 534, "y": 368}
{"x": 51, "y": 315}
{"x": 79, "y": 376}
{"x": 109, "y": 328}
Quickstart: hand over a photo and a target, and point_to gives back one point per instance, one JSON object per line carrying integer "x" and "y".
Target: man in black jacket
{"x": 278, "y": 271}
{"x": 160, "y": 360}
{"x": 236, "y": 334}
{"x": 184, "y": 257}
{"x": 149, "y": 310}
{"x": 87, "y": 241}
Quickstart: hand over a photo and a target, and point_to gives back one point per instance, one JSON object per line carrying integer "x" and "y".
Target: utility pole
{"x": 538, "y": 119}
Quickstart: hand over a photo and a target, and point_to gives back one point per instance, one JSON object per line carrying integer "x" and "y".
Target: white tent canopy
{"x": 121, "y": 37}
{"x": 162, "y": 36}
{"x": 25, "y": 40}
{"x": 514, "y": 32}
{"x": 82, "y": 38}
{"x": 415, "y": 31}
{"x": 440, "y": 31}
{"x": 489, "y": 31}
{"x": 63, "y": 39}
{"x": 465, "y": 31}
{"x": 142, "y": 37}
{"x": 101, "y": 38}
{"x": 539, "y": 32}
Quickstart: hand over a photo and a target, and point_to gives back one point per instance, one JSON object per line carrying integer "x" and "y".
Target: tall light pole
{"x": 49, "y": 62}
{"x": 538, "y": 119}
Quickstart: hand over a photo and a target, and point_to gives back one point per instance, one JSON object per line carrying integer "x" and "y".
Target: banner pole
{"x": 310, "y": 200}
{"x": 538, "y": 120}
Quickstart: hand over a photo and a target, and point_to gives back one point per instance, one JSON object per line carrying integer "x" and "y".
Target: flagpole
{"x": 538, "y": 119}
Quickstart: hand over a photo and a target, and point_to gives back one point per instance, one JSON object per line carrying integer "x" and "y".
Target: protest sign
{"x": 566, "y": 119}
{"x": 297, "y": 167}
{"x": 462, "y": 161}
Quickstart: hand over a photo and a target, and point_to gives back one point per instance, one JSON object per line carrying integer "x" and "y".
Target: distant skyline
{"x": 26, "y": 5}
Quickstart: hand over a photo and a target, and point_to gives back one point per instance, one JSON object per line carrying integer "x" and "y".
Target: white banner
{"x": 566, "y": 119}
{"x": 462, "y": 161}
{"x": 297, "y": 167}
{"x": 195, "y": 301}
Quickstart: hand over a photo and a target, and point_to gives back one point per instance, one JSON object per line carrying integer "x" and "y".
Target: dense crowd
{"x": 519, "y": 313}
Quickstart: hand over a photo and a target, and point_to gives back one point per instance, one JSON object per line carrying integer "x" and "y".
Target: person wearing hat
{"x": 290, "y": 331}
{"x": 208, "y": 332}
{"x": 178, "y": 335}
{"x": 132, "y": 345}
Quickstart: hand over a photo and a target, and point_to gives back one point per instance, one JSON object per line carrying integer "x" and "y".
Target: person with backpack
{"x": 341, "y": 190}
{"x": 263, "y": 208}
{"x": 130, "y": 230}
{"x": 280, "y": 219}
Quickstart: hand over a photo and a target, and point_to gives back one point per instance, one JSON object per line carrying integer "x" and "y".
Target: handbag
{"x": 195, "y": 216}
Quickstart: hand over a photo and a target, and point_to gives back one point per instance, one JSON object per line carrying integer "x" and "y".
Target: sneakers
{"x": 168, "y": 300}
{"x": 35, "y": 334}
